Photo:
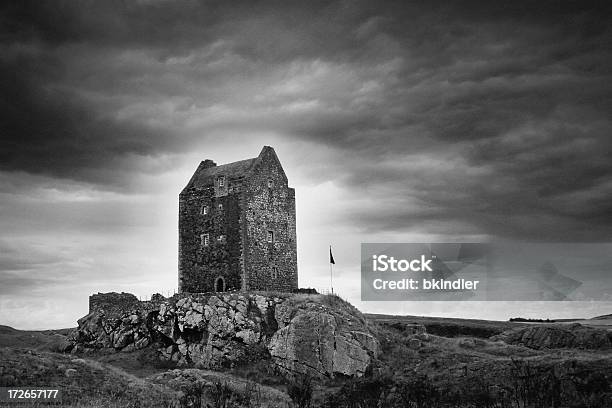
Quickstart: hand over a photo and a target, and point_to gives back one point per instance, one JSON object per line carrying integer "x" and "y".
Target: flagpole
{"x": 331, "y": 274}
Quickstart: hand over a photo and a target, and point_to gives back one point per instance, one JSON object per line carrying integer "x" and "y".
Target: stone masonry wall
{"x": 270, "y": 208}
{"x": 113, "y": 303}
{"x": 200, "y": 266}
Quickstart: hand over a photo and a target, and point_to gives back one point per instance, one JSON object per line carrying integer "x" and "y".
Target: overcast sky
{"x": 395, "y": 122}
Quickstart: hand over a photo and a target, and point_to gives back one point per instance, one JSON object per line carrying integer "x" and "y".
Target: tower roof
{"x": 205, "y": 175}
{"x": 208, "y": 170}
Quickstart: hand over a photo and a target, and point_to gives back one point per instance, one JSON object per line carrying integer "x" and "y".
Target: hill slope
{"x": 49, "y": 340}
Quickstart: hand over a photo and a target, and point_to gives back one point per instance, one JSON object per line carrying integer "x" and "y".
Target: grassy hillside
{"x": 84, "y": 382}
{"x": 456, "y": 363}
{"x": 87, "y": 382}
{"x": 38, "y": 340}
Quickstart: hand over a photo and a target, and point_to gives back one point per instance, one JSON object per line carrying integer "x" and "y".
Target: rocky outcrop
{"x": 312, "y": 334}
{"x": 315, "y": 339}
{"x": 558, "y": 336}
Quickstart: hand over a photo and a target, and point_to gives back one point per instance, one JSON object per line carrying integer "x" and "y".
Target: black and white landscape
{"x": 469, "y": 121}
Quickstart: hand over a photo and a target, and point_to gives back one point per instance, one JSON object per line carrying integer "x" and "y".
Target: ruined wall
{"x": 270, "y": 208}
{"x": 113, "y": 302}
{"x": 200, "y": 266}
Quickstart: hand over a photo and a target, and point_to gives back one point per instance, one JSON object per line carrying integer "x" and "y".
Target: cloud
{"x": 479, "y": 119}
{"x": 515, "y": 95}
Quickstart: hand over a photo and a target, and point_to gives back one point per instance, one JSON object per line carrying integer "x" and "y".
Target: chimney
{"x": 207, "y": 164}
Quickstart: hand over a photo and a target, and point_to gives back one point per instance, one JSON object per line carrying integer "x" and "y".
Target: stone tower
{"x": 237, "y": 227}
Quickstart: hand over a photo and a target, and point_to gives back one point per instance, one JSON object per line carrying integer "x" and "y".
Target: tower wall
{"x": 200, "y": 266}
{"x": 270, "y": 209}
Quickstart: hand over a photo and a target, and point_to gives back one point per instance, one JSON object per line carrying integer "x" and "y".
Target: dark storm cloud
{"x": 51, "y": 131}
{"x": 492, "y": 116}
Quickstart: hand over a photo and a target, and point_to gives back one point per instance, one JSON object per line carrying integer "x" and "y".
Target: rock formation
{"x": 558, "y": 336}
{"x": 309, "y": 334}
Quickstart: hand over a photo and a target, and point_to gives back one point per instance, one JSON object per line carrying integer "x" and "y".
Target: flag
{"x": 331, "y": 257}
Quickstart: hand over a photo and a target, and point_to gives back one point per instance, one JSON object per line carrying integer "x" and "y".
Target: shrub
{"x": 592, "y": 389}
{"x": 252, "y": 395}
{"x": 192, "y": 395}
{"x": 149, "y": 357}
{"x": 418, "y": 392}
{"x": 362, "y": 393}
{"x": 221, "y": 395}
{"x": 307, "y": 291}
{"x": 300, "y": 391}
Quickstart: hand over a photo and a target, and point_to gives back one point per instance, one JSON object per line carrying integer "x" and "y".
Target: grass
{"x": 474, "y": 372}
{"x": 48, "y": 340}
{"x": 455, "y": 364}
{"x": 92, "y": 383}
{"x": 237, "y": 391}
{"x": 83, "y": 382}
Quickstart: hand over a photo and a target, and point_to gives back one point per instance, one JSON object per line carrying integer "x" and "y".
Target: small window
{"x": 274, "y": 272}
{"x": 270, "y": 183}
{"x": 204, "y": 210}
{"x": 204, "y": 240}
{"x": 221, "y": 181}
{"x": 270, "y": 236}
{"x": 220, "y": 207}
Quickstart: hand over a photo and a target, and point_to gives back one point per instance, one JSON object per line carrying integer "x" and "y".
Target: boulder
{"x": 65, "y": 346}
{"x": 320, "y": 343}
{"x": 467, "y": 343}
{"x": 71, "y": 372}
{"x": 414, "y": 343}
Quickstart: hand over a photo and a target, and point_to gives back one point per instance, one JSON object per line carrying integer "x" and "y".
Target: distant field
{"x": 453, "y": 327}
{"x": 429, "y": 319}
{"x": 601, "y": 323}
{"x": 449, "y": 327}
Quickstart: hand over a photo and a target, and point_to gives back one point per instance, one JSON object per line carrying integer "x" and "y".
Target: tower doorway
{"x": 219, "y": 284}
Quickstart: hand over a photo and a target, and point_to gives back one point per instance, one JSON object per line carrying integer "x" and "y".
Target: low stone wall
{"x": 113, "y": 303}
